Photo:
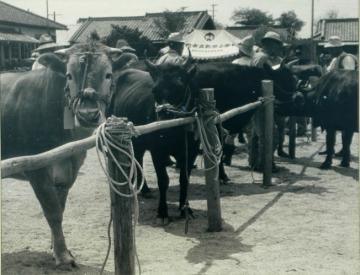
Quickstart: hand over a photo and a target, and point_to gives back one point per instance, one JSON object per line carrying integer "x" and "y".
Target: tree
{"x": 248, "y": 16}
{"x": 134, "y": 37}
{"x": 170, "y": 22}
{"x": 290, "y": 20}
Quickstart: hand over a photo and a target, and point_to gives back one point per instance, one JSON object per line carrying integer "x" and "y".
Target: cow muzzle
{"x": 89, "y": 112}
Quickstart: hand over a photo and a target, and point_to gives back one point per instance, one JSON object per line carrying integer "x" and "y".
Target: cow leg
{"x": 280, "y": 123}
{"x": 145, "y": 191}
{"x": 346, "y": 142}
{"x": 343, "y": 137}
{"x": 46, "y": 193}
{"x": 163, "y": 183}
{"x": 185, "y": 172}
{"x": 330, "y": 143}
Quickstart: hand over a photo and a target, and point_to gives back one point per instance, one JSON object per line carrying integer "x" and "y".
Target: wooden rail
{"x": 21, "y": 164}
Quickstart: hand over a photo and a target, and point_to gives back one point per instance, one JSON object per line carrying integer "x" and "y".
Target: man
{"x": 128, "y": 55}
{"x": 244, "y": 59}
{"x": 172, "y": 53}
{"x": 245, "y": 51}
{"x": 47, "y": 44}
{"x": 272, "y": 48}
{"x": 340, "y": 61}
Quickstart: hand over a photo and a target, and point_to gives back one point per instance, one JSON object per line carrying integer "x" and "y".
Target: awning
{"x": 210, "y": 44}
{"x": 17, "y": 37}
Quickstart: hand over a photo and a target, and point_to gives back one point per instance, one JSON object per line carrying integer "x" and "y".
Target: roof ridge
{"x": 159, "y": 13}
{"x": 34, "y": 14}
{"x": 105, "y": 18}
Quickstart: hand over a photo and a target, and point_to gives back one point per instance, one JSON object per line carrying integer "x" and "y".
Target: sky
{"x": 68, "y": 11}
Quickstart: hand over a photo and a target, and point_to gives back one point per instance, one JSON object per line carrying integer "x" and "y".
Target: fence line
{"x": 27, "y": 163}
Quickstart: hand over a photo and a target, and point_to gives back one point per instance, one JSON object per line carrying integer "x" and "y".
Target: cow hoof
{"x": 162, "y": 221}
{"x": 325, "y": 166}
{"x": 224, "y": 181}
{"x": 189, "y": 212}
{"x": 65, "y": 262}
{"x": 345, "y": 164}
{"x": 283, "y": 154}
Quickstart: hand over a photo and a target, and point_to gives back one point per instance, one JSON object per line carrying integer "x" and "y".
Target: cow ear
{"x": 53, "y": 62}
{"x": 124, "y": 60}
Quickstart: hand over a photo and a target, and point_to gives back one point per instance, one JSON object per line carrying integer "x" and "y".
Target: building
{"x": 145, "y": 24}
{"x": 19, "y": 34}
{"x": 346, "y": 28}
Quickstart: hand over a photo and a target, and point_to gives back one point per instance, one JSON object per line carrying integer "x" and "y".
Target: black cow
{"x": 134, "y": 99}
{"x": 32, "y": 121}
{"x": 334, "y": 105}
{"x": 179, "y": 85}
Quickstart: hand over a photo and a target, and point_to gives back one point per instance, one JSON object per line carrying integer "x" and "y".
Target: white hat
{"x": 246, "y": 45}
{"x": 334, "y": 42}
{"x": 272, "y": 36}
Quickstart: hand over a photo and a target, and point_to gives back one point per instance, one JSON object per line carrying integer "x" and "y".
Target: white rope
{"x": 111, "y": 137}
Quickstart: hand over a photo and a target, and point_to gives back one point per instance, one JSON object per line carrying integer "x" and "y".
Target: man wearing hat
{"x": 245, "y": 51}
{"x": 47, "y": 44}
{"x": 272, "y": 47}
{"x": 340, "y": 59}
{"x": 172, "y": 53}
{"x": 127, "y": 57}
{"x": 270, "y": 53}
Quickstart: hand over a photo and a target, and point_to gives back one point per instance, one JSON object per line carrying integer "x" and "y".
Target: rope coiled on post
{"x": 114, "y": 137}
{"x": 208, "y": 113}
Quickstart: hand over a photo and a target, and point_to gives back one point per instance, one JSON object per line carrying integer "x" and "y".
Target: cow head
{"x": 88, "y": 71}
{"x": 284, "y": 86}
{"x": 172, "y": 82}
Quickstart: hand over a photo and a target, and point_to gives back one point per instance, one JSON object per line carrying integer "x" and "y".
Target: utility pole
{"x": 312, "y": 20}
{"x": 213, "y": 11}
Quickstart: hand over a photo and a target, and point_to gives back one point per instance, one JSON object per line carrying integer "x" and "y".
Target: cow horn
{"x": 114, "y": 50}
{"x": 189, "y": 59}
{"x": 62, "y": 52}
{"x": 293, "y": 62}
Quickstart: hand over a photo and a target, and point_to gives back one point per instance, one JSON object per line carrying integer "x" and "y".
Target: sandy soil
{"x": 307, "y": 224}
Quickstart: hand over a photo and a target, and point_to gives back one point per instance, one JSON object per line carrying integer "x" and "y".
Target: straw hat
{"x": 124, "y": 46}
{"x": 334, "y": 42}
{"x": 274, "y": 36}
{"x": 46, "y": 43}
{"x": 246, "y": 45}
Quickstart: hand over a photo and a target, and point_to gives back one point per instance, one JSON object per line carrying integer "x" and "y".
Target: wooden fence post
{"x": 121, "y": 211}
{"x": 292, "y": 136}
{"x": 268, "y": 116}
{"x": 211, "y": 175}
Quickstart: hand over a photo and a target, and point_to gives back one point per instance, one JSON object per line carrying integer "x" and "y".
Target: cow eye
{"x": 68, "y": 76}
{"x": 108, "y": 76}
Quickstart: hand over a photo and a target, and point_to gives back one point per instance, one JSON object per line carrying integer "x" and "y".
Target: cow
{"x": 45, "y": 108}
{"x": 179, "y": 85}
{"x": 334, "y": 105}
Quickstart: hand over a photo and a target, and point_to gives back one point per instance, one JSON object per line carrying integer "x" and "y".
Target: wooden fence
{"x": 123, "y": 223}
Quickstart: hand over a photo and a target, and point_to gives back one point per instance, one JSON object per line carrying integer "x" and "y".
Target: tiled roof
{"x": 17, "y": 37}
{"x": 346, "y": 28}
{"x": 145, "y": 24}
{"x": 14, "y": 15}
{"x": 242, "y": 31}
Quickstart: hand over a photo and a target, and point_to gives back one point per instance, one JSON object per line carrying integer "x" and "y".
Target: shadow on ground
{"x": 28, "y": 262}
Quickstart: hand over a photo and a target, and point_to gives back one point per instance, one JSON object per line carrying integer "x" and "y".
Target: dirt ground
{"x": 307, "y": 224}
